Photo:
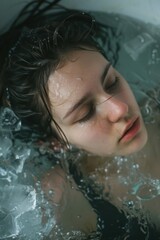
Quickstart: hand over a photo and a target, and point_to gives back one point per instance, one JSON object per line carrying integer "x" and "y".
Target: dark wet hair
{"x": 36, "y": 46}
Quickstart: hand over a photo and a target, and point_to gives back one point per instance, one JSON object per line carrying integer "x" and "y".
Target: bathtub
{"x": 145, "y": 10}
{"x": 22, "y": 162}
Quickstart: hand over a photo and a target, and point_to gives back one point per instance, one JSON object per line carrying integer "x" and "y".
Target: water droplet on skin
{"x": 68, "y": 177}
{"x": 51, "y": 192}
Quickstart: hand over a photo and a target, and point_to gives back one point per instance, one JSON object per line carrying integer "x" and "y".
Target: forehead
{"x": 79, "y": 62}
{"x": 75, "y": 76}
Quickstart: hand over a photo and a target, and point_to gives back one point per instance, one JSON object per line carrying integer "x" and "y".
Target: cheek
{"x": 80, "y": 135}
{"x": 94, "y": 140}
{"x": 88, "y": 133}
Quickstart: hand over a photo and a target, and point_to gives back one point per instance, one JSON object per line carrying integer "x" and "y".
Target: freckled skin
{"x": 113, "y": 107}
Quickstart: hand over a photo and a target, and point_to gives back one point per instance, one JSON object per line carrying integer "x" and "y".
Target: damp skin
{"x": 105, "y": 110}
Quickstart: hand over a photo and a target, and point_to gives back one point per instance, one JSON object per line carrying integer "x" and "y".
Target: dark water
{"x": 25, "y": 159}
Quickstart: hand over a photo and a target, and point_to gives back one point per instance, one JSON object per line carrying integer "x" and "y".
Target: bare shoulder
{"x": 72, "y": 209}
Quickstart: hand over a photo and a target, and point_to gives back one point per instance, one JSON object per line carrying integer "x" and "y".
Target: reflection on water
{"x": 25, "y": 212}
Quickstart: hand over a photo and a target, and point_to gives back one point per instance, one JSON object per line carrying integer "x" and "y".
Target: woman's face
{"x": 95, "y": 107}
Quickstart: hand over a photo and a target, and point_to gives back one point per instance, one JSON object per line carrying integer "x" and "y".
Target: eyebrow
{"x": 105, "y": 72}
{"x": 86, "y": 97}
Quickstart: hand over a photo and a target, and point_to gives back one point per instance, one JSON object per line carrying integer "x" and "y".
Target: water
{"x": 22, "y": 199}
{"x": 26, "y": 210}
{"x": 137, "y": 45}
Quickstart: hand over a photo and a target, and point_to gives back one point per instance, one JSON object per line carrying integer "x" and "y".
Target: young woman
{"x": 56, "y": 76}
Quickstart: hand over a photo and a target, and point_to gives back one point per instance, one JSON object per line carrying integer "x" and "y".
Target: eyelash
{"x": 113, "y": 85}
{"x": 91, "y": 111}
{"x": 89, "y": 114}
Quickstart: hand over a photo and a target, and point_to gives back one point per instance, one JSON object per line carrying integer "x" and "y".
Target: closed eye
{"x": 111, "y": 85}
{"x": 89, "y": 114}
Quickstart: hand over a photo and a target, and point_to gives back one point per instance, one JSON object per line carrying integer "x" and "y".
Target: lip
{"x": 130, "y": 130}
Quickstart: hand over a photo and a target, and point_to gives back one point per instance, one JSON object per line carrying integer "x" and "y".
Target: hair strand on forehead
{"x": 61, "y": 135}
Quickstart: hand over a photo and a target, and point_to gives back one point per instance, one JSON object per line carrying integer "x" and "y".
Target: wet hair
{"x": 36, "y": 47}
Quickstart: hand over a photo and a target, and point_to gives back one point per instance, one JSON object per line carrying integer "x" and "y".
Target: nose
{"x": 113, "y": 108}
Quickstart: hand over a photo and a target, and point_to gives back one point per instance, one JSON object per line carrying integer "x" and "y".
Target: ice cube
{"x": 8, "y": 120}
